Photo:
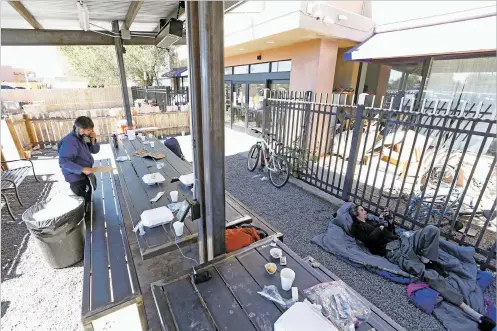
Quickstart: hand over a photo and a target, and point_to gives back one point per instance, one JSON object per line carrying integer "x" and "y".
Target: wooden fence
{"x": 47, "y": 129}
{"x": 68, "y": 99}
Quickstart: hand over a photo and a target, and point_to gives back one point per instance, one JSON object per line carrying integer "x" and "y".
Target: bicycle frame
{"x": 266, "y": 149}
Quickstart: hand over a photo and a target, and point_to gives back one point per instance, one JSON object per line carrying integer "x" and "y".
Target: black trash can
{"x": 59, "y": 234}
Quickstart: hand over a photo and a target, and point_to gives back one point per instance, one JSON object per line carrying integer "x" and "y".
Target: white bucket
{"x": 174, "y": 196}
{"x": 178, "y": 228}
{"x": 287, "y": 278}
{"x": 131, "y": 134}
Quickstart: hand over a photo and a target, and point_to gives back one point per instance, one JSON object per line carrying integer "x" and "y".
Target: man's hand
{"x": 93, "y": 137}
{"x": 87, "y": 171}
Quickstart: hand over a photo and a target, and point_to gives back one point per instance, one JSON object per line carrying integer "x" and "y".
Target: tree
{"x": 143, "y": 64}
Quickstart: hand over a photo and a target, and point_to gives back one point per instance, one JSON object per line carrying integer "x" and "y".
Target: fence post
{"x": 354, "y": 150}
{"x": 15, "y": 138}
{"x": 30, "y": 130}
{"x": 264, "y": 110}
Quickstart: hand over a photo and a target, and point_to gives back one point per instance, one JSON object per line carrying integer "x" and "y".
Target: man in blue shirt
{"x": 76, "y": 159}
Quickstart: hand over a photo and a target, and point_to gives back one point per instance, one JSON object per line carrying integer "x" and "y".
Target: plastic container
{"x": 157, "y": 216}
{"x": 131, "y": 134}
{"x": 152, "y": 179}
{"x": 287, "y": 278}
{"x": 59, "y": 234}
{"x": 174, "y": 196}
{"x": 178, "y": 228}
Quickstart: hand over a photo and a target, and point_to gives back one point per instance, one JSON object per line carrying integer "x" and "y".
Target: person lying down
{"x": 416, "y": 253}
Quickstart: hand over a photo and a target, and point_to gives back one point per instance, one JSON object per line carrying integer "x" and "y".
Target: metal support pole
{"x": 122, "y": 74}
{"x": 196, "y": 121}
{"x": 211, "y": 31}
{"x": 354, "y": 151}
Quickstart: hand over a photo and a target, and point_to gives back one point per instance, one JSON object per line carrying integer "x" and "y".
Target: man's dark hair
{"x": 353, "y": 211}
{"x": 83, "y": 122}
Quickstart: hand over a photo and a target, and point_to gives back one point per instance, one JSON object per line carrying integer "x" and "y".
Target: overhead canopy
{"x": 469, "y": 36}
{"x": 176, "y": 72}
{"x": 59, "y": 22}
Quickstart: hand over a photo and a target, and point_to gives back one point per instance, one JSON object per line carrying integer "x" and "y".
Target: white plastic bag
{"x": 187, "y": 180}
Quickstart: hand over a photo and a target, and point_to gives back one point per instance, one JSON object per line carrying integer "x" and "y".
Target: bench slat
{"x": 87, "y": 267}
{"x": 121, "y": 287}
{"x": 100, "y": 287}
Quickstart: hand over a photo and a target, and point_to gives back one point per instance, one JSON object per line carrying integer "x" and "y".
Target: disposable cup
{"x": 150, "y": 136}
{"x": 152, "y": 144}
{"x": 131, "y": 134}
{"x": 178, "y": 228}
{"x": 142, "y": 138}
{"x": 140, "y": 134}
{"x": 174, "y": 196}
{"x": 287, "y": 277}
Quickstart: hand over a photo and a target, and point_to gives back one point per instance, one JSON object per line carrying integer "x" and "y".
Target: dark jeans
{"x": 83, "y": 188}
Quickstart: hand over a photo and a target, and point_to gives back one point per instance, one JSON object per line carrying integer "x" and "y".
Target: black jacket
{"x": 373, "y": 236}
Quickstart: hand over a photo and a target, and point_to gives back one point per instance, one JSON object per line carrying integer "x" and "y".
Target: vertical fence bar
{"x": 325, "y": 152}
{"x": 351, "y": 165}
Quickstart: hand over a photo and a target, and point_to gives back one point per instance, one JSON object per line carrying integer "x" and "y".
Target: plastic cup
{"x": 287, "y": 277}
{"x": 131, "y": 134}
{"x": 150, "y": 136}
{"x": 140, "y": 134}
{"x": 142, "y": 138}
{"x": 152, "y": 144}
{"x": 174, "y": 196}
{"x": 178, "y": 228}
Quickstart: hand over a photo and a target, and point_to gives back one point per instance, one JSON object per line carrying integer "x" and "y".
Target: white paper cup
{"x": 150, "y": 136}
{"x": 152, "y": 144}
{"x": 174, "y": 196}
{"x": 178, "y": 228}
{"x": 131, "y": 134}
{"x": 287, "y": 278}
{"x": 140, "y": 134}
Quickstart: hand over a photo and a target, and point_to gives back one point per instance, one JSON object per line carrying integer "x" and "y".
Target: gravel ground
{"x": 33, "y": 295}
{"x": 300, "y": 216}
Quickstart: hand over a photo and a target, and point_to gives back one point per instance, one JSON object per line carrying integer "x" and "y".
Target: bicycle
{"x": 277, "y": 165}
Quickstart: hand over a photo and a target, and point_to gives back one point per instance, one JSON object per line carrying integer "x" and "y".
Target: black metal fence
{"x": 161, "y": 96}
{"x": 431, "y": 162}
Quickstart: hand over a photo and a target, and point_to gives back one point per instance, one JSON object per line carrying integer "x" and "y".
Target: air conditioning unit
{"x": 169, "y": 34}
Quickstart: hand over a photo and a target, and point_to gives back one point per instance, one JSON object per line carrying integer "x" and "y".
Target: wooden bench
{"x": 12, "y": 178}
{"x": 229, "y": 300}
{"x": 112, "y": 298}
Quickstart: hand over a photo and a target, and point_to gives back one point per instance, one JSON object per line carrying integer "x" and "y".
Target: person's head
{"x": 358, "y": 212}
{"x": 83, "y": 126}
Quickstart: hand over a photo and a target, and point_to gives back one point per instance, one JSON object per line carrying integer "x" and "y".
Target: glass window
{"x": 281, "y": 66}
{"x": 241, "y": 70}
{"x": 228, "y": 71}
{"x": 471, "y": 80}
{"x": 259, "y": 67}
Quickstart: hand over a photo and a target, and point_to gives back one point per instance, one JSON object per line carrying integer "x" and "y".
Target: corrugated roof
{"x": 63, "y": 15}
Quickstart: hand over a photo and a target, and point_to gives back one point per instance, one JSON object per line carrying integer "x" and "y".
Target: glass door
{"x": 255, "y": 106}
{"x": 228, "y": 92}
{"x": 239, "y": 106}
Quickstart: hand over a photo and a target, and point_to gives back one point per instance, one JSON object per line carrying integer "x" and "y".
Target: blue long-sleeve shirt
{"x": 74, "y": 155}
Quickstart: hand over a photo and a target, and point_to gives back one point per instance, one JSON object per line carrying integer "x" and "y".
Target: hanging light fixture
{"x": 83, "y": 15}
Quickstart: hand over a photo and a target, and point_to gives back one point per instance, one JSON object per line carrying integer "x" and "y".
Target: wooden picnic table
{"x": 229, "y": 300}
{"x": 137, "y": 194}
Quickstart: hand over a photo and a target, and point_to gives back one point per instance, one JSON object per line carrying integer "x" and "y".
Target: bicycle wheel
{"x": 279, "y": 171}
{"x": 253, "y": 157}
